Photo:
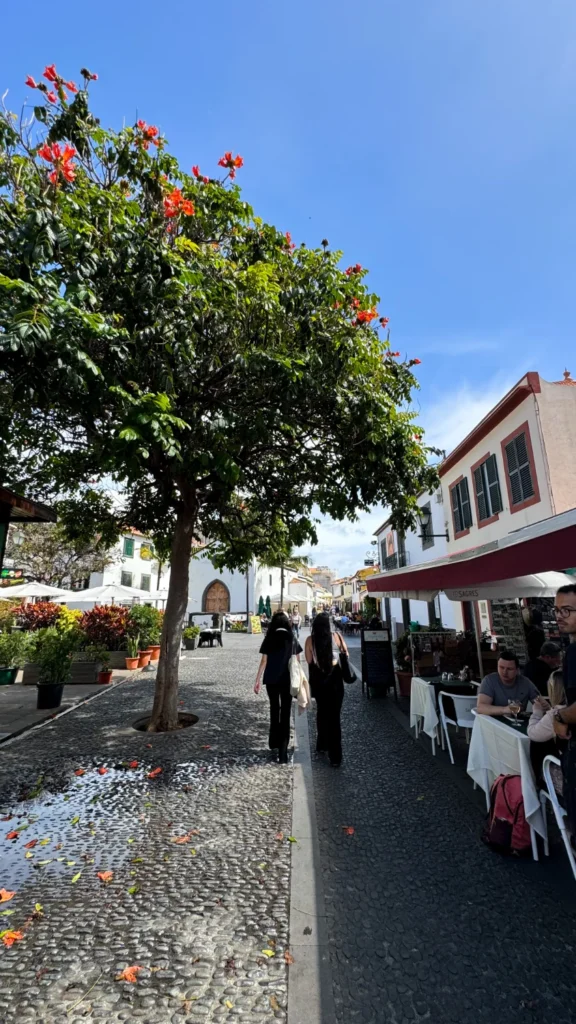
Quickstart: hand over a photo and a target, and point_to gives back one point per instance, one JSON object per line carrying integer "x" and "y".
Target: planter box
{"x": 82, "y": 672}
{"x": 117, "y": 659}
{"x": 404, "y": 683}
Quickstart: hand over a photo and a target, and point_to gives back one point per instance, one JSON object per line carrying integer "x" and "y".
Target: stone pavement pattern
{"x": 426, "y": 923}
{"x": 201, "y": 912}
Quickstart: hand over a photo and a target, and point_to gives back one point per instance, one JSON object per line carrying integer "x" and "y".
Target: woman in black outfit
{"x": 277, "y": 648}
{"x": 322, "y": 650}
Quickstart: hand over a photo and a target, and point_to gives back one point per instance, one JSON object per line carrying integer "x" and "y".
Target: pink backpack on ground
{"x": 506, "y": 829}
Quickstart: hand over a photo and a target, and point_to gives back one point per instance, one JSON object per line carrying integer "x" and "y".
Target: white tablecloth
{"x": 498, "y": 749}
{"x": 423, "y": 705}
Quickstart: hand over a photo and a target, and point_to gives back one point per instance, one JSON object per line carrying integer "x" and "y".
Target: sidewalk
{"x": 424, "y": 922}
{"x": 18, "y": 710}
{"x": 205, "y": 917}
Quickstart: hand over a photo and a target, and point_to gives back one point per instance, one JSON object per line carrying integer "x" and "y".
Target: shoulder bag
{"x": 295, "y": 671}
{"x": 348, "y": 671}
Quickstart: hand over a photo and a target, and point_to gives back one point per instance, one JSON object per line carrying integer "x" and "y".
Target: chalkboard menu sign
{"x": 377, "y": 661}
{"x": 508, "y": 626}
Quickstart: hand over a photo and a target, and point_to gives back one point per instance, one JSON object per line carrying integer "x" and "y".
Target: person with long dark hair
{"x": 322, "y": 650}
{"x": 277, "y": 648}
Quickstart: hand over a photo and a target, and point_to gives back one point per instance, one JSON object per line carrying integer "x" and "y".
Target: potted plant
{"x": 53, "y": 650}
{"x": 404, "y": 663}
{"x": 146, "y": 622}
{"x": 189, "y": 636}
{"x": 132, "y": 660}
{"x": 14, "y": 648}
{"x": 143, "y": 659}
{"x": 105, "y": 673}
{"x": 106, "y": 626}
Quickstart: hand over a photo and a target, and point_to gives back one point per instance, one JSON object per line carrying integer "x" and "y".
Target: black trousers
{"x": 280, "y": 707}
{"x": 329, "y": 694}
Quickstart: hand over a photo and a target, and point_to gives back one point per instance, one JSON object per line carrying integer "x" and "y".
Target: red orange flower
{"x": 231, "y": 162}
{"x": 61, "y": 159}
{"x": 196, "y": 173}
{"x": 365, "y": 316}
{"x": 290, "y": 244}
{"x": 71, "y": 86}
{"x": 88, "y": 75}
{"x": 52, "y": 97}
{"x": 50, "y": 73}
{"x": 384, "y": 321}
{"x": 9, "y": 937}
{"x": 30, "y": 81}
{"x": 174, "y": 203}
{"x": 416, "y": 362}
{"x": 356, "y": 269}
{"x": 149, "y": 135}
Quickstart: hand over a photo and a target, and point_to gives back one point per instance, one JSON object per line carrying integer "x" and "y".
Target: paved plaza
{"x": 423, "y": 922}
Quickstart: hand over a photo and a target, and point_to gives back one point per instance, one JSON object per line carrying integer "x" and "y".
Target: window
{"x": 145, "y": 582}
{"x": 270, "y": 579}
{"x": 487, "y": 486}
{"x": 427, "y": 527}
{"x": 461, "y": 509}
{"x": 126, "y": 579}
{"x": 519, "y": 470}
{"x": 128, "y": 547}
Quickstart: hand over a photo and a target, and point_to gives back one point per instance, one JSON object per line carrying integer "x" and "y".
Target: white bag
{"x": 295, "y": 675}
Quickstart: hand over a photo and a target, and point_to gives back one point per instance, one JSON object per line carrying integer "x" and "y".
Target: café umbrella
{"x": 109, "y": 593}
{"x": 34, "y": 589}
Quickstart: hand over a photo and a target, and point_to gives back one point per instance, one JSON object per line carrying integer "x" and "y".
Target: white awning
{"x": 544, "y": 584}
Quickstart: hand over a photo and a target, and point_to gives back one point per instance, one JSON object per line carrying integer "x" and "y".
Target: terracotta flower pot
{"x": 155, "y": 648}
{"x": 404, "y": 683}
{"x": 143, "y": 659}
{"x": 105, "y": 676}
{"x": 132, "y": 663}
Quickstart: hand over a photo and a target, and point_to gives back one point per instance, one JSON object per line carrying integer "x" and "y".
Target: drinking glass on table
{"x": 515, "y": 708}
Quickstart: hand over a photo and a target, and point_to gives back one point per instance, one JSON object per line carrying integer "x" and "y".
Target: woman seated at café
{"x": 541, "y": 729}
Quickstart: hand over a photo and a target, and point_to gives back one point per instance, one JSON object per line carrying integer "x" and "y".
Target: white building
{"x": 298, "y": 590}
{"x": 133, "y": 563}
{"x": 219, "y": 590}
{"x": 423, "y": 544}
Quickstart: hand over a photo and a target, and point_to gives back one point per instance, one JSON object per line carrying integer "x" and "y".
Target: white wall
{"x": 119, "y": 563}
{"x": 202, "y": 574}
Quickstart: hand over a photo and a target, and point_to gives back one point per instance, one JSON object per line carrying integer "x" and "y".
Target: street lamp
{"x": 426, "y": 521}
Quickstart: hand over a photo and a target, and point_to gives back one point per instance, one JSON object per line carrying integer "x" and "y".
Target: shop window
{"x": 126, "y": 579}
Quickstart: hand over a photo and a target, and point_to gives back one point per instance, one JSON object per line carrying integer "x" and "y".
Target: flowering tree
{"x": 155, "y": 332}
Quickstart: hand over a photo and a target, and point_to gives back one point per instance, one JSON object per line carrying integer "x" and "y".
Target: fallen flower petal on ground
{"x": 5, "y": 895}
{"x": 105, "y": 876}
{"x": 80, "y": 771}
{"x": 31, "y": 844}
{"x": 102, "y": 771}
{"x": 129, "y": 974}
{"x": 9, "y": 937}
{"x": 279, "y": 836}
{"x": 288, "y": 957}
{"x": 154, "y": 773}
{"x": 348, "y": 830}
{"x": 12, "y": 835}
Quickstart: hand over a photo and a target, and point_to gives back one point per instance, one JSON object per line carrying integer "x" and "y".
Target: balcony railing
{"x": 396, "y": 561}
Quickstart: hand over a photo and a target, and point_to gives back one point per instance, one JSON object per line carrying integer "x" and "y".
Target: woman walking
{"x": 277, "y": 648}
{"x": 322, "y": 650}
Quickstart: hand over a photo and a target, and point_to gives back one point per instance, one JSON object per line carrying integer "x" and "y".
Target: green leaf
{"x": 75, "y": 878}
{"x": 75, "y": 820}
{"x": 133, "y": 889}
{"x": 6, "y": 913}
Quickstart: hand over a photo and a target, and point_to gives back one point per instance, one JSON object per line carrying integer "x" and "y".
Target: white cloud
{"x": 343, "y": 546}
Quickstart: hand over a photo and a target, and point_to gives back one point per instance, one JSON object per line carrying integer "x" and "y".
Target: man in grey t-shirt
{"x": 505, "y": 685}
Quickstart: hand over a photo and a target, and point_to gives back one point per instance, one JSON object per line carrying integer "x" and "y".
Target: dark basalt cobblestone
{"x": 425, "y": 923}
{"x": 199, "y": 921}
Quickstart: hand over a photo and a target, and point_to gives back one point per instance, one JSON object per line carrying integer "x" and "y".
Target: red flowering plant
{"x": 38, "y": 616}
{"x": 154, "y": 331}
{"x": 106, "y": 627}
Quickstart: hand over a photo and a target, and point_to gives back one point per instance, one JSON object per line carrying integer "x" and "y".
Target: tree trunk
{"x": 248, "y": 598}
{"x": 281, "y": 586}
{"x": 165, "y": 710}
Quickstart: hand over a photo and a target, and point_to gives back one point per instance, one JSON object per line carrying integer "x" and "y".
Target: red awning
{"x": 548, "y": 545}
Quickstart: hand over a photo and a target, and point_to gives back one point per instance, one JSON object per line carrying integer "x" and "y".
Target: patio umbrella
{"x": 40, "y": 590}
{"x": 109, "y": 593}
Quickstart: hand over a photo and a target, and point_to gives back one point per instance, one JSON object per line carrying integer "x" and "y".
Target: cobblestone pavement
{"x": 194, "y": 915}
{"x": 425, "y": 923}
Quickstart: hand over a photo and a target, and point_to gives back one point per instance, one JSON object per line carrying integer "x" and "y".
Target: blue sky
{"x": 433, "y": 142}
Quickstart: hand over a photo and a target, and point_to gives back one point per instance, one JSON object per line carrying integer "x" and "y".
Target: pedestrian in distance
{"x": 322, "y": 651}
{"x": 296, "y": 620}
{"x": 277, "y": 648}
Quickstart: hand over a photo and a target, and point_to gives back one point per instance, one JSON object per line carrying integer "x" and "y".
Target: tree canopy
{"x": 45, "y": 553}
{"x": 158, "y": 334}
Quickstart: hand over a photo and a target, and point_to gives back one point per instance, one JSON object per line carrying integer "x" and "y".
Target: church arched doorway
{"x": 216, "y": 598}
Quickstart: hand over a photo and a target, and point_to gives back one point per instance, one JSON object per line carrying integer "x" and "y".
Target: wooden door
{"x": 217, "y": 598}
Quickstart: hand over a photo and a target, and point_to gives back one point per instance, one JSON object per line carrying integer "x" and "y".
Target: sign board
{"x": 255, "y": 624}
{"x": 377, "y": 660}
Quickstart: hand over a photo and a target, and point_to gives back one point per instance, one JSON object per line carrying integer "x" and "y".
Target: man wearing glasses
{"x": 565, "y": 720}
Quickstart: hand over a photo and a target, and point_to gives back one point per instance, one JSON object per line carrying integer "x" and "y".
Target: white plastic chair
{"x": 463, "y": 706}
{"x": 559, "y": 812}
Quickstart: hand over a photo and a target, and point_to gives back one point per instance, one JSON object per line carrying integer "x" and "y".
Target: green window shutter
{"x": 456, "y": 510}
{"x": 483, "y": 512}
{"x": 465, "y": 504}
{"x": 493, "y": 485}
{"x": 513, "y": 473}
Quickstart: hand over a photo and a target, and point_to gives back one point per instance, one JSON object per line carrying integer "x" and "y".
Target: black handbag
{"x": 348, "y": 670}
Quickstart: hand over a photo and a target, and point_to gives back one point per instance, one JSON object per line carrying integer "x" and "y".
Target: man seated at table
{"x": 507, "y": 685}
{"x": 541, "y": 668}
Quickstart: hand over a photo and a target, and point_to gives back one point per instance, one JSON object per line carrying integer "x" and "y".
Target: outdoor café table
{"x": 499, "y": 748}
